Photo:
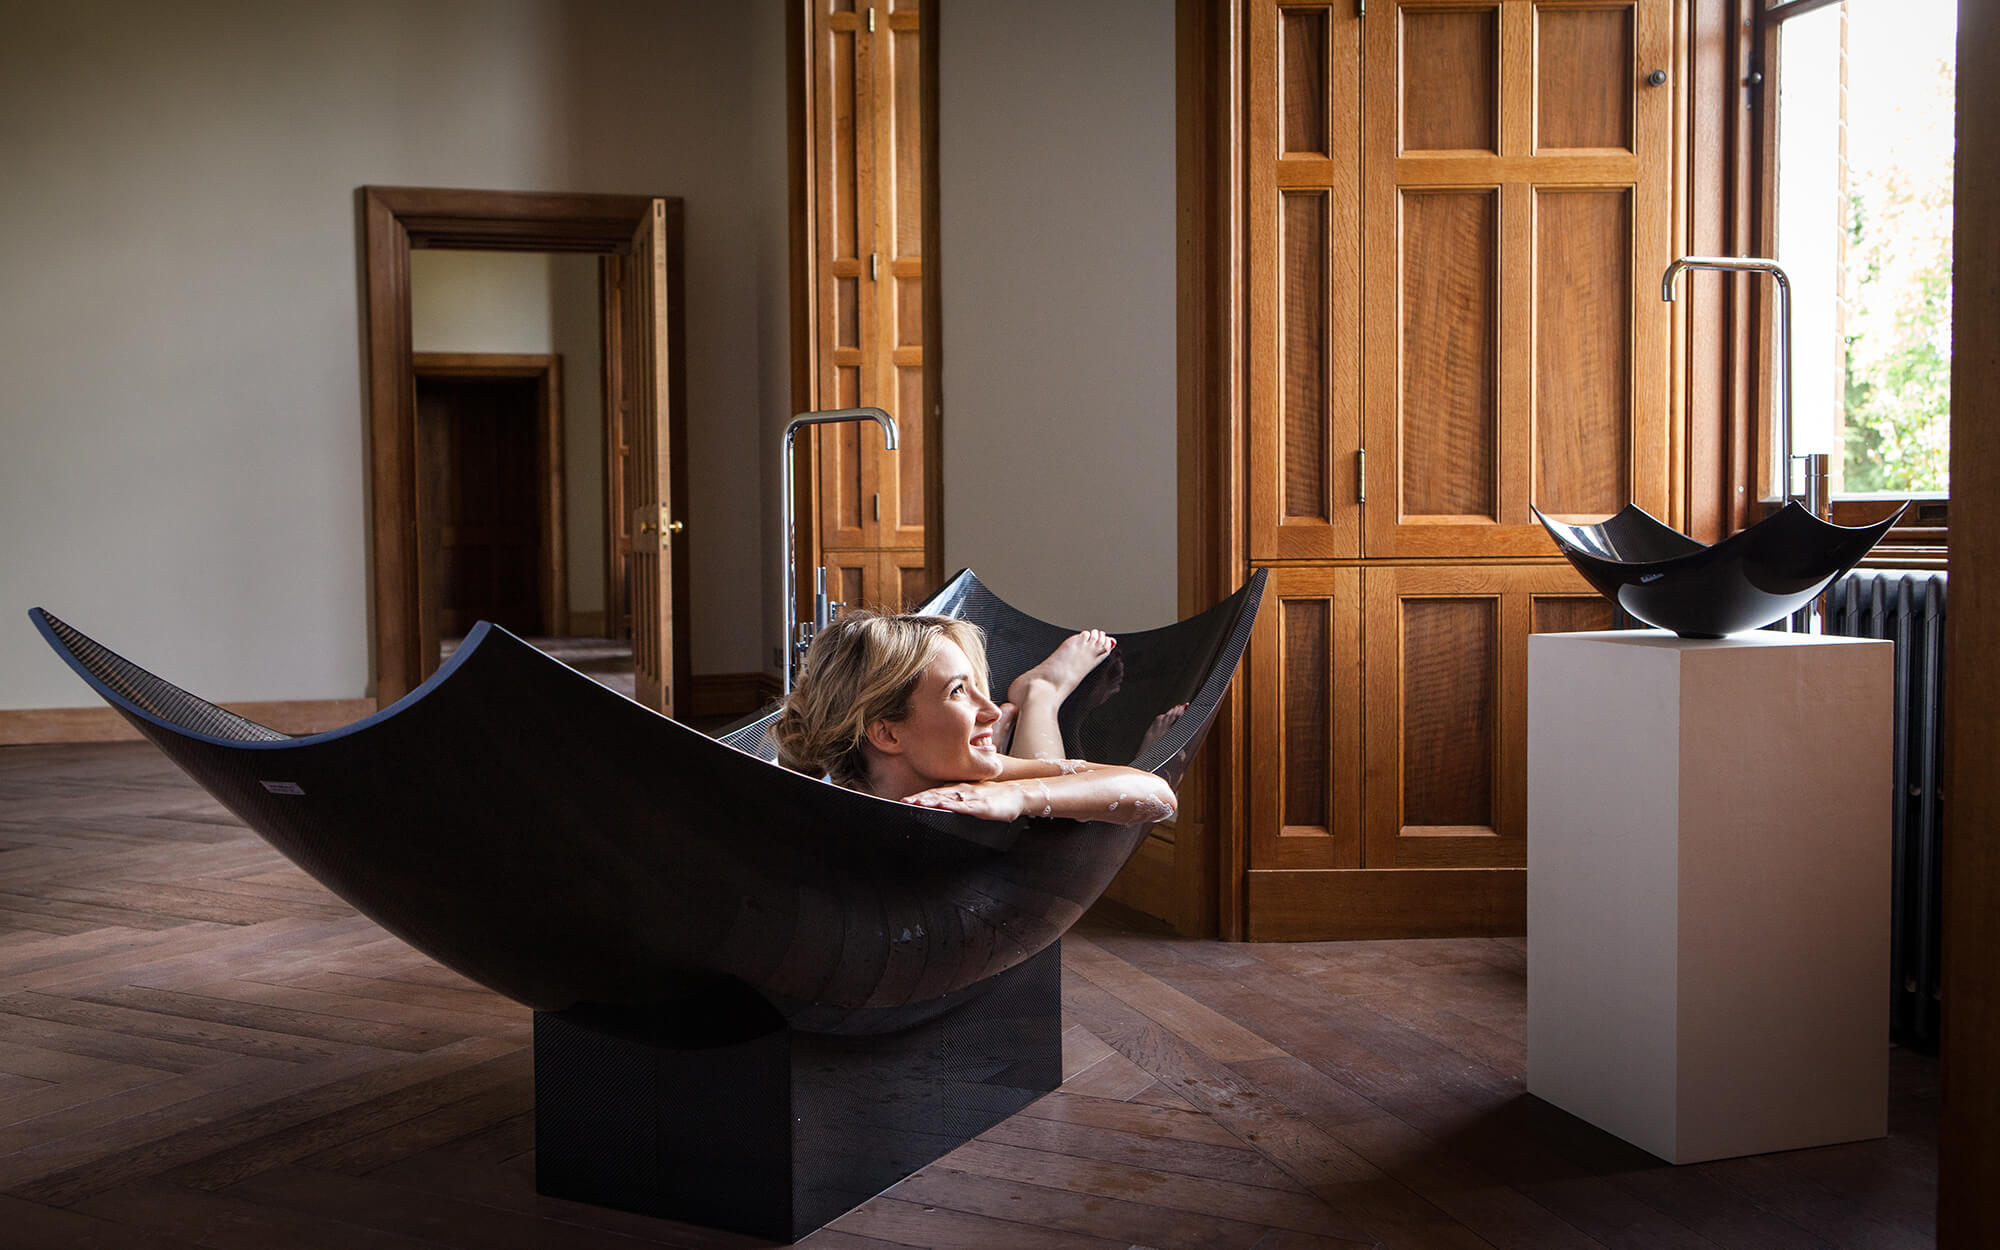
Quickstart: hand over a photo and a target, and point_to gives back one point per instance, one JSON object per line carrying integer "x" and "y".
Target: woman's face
{"x": 947, "y": 734}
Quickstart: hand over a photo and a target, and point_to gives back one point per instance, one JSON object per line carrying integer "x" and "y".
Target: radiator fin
{"x": 1908, "y": 607}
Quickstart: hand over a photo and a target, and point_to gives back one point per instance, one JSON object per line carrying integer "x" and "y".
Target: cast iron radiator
{"x": 1907, "y": 606}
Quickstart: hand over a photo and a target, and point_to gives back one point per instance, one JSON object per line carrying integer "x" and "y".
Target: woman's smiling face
{"x": 947, "y": 734}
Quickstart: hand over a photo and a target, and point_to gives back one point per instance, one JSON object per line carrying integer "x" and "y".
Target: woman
{"x": 896, "y": 706}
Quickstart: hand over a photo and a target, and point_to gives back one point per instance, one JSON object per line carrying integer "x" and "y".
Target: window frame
{"x": 1923, "y": 531}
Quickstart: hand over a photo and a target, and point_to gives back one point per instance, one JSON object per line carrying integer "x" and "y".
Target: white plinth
{"x": 1708, "y": 888}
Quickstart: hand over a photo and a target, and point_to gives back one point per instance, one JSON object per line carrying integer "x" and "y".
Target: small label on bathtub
{"x": 284, "y": 787}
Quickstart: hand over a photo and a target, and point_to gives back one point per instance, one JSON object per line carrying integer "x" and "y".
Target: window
{"x": 1859, "y": 214}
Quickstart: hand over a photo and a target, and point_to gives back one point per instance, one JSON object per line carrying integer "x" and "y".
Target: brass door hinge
{"x": 871, "y": 19}
{"x": 1361, "y": 476}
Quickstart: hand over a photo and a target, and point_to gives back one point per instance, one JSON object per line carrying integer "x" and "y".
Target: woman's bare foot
{"x": 1067, "y": 665}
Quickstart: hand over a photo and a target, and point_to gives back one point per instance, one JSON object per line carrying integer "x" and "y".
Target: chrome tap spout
{"x": 1781, "y": 418}
{"x": 794, "y": 645}
{"x": 1805, "y": 620}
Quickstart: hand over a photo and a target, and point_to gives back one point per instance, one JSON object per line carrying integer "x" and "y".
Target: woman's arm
{"x": 1075, "y": 789}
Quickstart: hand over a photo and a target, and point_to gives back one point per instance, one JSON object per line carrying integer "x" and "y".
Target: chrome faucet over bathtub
{"x": 798, "y": 634}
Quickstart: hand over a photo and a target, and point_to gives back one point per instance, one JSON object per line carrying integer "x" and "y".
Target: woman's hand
{"x": 1072, "y": 789}
{"x": 988, "y": 800}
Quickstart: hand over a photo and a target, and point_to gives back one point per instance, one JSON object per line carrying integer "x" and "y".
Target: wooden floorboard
{"x": 200, "y": 1047}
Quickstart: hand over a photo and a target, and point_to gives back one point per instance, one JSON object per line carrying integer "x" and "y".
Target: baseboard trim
{"x": 1344, "y": 904}
{"x": 730, "y": 694}
{"x": 712, "y": 694}
{"x": 30, "y": 726}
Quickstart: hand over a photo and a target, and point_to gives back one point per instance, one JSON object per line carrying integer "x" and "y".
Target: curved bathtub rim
{"x": 956, "y": 586}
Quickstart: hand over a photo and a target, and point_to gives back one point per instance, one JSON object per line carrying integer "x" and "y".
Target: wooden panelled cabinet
{"x": 894, "y": 581}
{"x": 1388, "y": 722}
{"x": 1458, "y": 212}
{"x": 868, "y": 277}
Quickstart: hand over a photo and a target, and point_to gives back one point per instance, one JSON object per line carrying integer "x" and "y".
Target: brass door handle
{"x": 647, "y": 527}
{"x": 676, "y": 527}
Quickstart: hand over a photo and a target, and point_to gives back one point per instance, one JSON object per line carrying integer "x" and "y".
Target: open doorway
{"x": 516, "y": 529}
{"x": 423, "y": 432}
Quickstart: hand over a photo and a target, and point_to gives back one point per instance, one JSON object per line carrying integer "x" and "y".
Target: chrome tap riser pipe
{"x": 1782, "y": 417}
{"x": 788, "y": 613}
{"x": 1805, "y": 620}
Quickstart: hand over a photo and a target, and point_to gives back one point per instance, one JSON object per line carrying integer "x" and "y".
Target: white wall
{"x": 769, "y": 131}
{"x": 536, "y": 303}
{"x": 1056, "y": 171}
{"x": 181, "y": 409}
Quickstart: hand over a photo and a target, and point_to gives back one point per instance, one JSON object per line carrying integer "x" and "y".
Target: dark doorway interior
{"x": 485, "y": 519}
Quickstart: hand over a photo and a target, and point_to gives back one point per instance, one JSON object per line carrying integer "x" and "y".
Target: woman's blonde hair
{"x": 861, "y": 669}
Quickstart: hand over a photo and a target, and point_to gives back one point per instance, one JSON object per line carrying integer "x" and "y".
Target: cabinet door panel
{"x": 896, "y": 504}
{"x": 1305, "y": 261}
{"x": 1447, "y": 671}
{"x": 904, "y": 582}
{"x": 1448, "y": 307}
{"x": 1516, "y": 192}
{"x": 1305, "y": 688}
{"x": 1449, "y": 97}
{"x": 844, "y": 238}
{"x": 1583, "y": 352}
{"x": 1584, "y": 75}
{"x": 1305, "y": 360}
{"x": 847, "y": 476}
{"x": 899, "y": 479}
{"x": 1305, "y": 70}
{"x": 1450, "y": 659}
{"x": 884, "y": 581}
{"x": 853, "y": 578}
{"x": 1437, "y": 780}
{"x": 1571, "y": 614}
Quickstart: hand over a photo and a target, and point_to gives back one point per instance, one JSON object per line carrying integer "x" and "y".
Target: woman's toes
{"x": 1068, "y": 664}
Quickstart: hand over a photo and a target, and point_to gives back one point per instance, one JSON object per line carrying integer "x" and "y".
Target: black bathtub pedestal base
{"x": 720, "y": 1115}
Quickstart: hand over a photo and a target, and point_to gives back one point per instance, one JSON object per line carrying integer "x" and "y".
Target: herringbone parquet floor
{"x": 200, "y": 1047}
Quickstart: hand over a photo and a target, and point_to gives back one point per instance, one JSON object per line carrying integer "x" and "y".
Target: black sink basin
{"x": 1748, "y": 580}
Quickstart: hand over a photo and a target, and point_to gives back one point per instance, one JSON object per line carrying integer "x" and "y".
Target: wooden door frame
{"x": 617, "y": 518}
{"x": 551, "y": 526}
{"x": 1212, "y": 418}
{"x": 395, "y": 220}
